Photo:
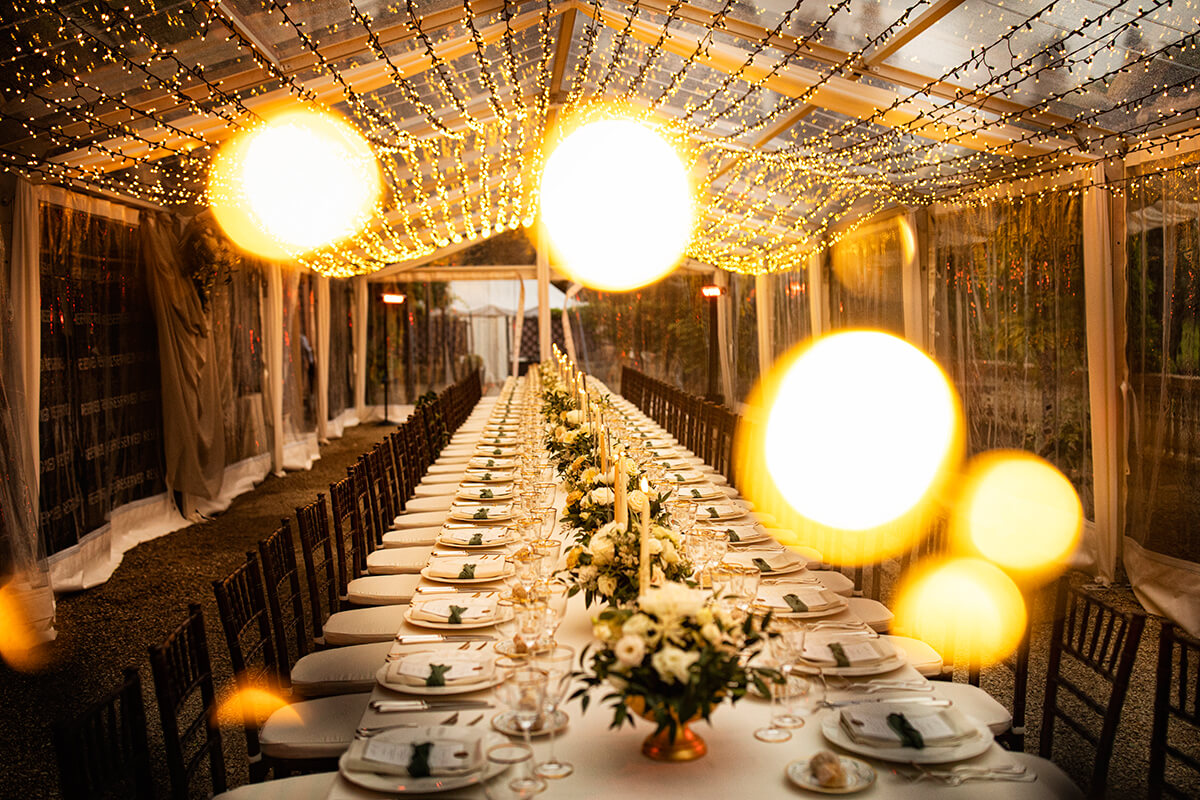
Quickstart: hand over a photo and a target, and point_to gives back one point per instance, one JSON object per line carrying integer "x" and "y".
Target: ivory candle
{"x": 644, "y": 559}
{"x": 620, "y": 507}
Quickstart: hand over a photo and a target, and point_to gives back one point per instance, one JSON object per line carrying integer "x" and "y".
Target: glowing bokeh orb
{"x": 1018, "y": 511}
{"x": 616, "y": 204}
{"x": 861, "y": 427}
{"x": 966, "y": 609}
{"x": 301, "y": 181}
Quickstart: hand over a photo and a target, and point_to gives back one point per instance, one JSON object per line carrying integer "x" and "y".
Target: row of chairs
{"x": 705, "y": 428}
{"x": 277, "y": 623}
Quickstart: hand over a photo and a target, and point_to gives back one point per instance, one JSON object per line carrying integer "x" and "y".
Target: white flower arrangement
{"x": 605, "y": 566}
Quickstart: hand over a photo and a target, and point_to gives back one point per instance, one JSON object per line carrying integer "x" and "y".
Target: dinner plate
{"x": 859, "y": 776}
{"x": 506, "y": 723}
{"x": 474, "y": 494}
{"x": 508, "y": 570}
{"x": 821, "y": 612}
{"x": 700, "y": 493}
{"x": 447, "y": 626}
{"x": 494, "y": 515}
{"x": 494, "y": 679}
{"x": 745, "y": 558}
{"x": 723, "y": 511}
{"x": 977, "y": 744}
{"x": 501, "y": 542}
{"x": 892, "y": 662}
{"x": 403, "y": 784}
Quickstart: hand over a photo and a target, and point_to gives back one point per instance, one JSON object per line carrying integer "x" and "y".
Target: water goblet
{"x": 557, "y": 662}
{"x": 523, "y": 690}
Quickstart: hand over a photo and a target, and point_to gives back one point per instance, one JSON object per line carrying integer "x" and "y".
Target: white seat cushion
{"x": 416, "y": 537}
{"x": 299, "y": 787}
{"x": 437, "y": 484}
{"x": 449, "y": 468}
{"x": 397, "y": 560}
{"x": 420, "y": 519}
{"x": 379, "y": 590}
{"x": 339, "y": 670}
{"x": 921, "y": 657}
{"x": 835, "y": 582}
{"x": 874, "y": 613}
{"x": 321, "y": 728}
{"x": 420, "y": 504}
{"x": 364, "y": 625}
{"x": 977, "y": 703}
{"x": 458, "y": 450}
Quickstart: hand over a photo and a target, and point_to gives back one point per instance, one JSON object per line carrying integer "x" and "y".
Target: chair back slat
{"x": 371, "y": 514}
{"x": 285, "y": 599}
{"x": 347, "y": 533}
{"x": 1089, "y": 634}
{"x": 1174, "y": 756}
{"x": 102, "y": 751}
{"x": 321, "y": 565}
{"x": 242, "y": 604}
{"x": 182, "y": 673}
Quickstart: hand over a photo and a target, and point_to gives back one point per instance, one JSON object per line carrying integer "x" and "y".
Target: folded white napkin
{"x": 874, "y": 724}
{"x": 391, "y": 752}
{"x": 804, "y": 598}
{"x": 452, "y": 566}
{"x": 441, "y": 609}
{"x": 782, "y": 561}
{"x": 739, "y": 532}
{"x": 684, "y": 475}
{"x": 468, "y": 535}
{"x": 489, "y": 475}
{"x": 480, "y": 513}
{"x": 713, "y": 510}
{"x": 492, "y": 462}
{"x": 699, "y": 492}
{"x": 857, "y": 650}
{"x": 495, "y": 450}
{"x": 497, "y": 492}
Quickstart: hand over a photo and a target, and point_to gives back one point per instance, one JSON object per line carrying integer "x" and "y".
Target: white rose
{"x": 672, "y": 664}
{"x": 637, "y": 501}
{"x": 573, "y": 417}
{"x": 669, "y": 554}
{"x": 711, "y": 632}
{"x": 630, "y": 650}
{"x": 587, "y": 576}
{"x": 672, "y": 600}
{"x": 606, "y": 585}
{"x": 655, "y": 547}
{"x": 602, "y": 496}
{"x": 603, "y": 548}
{"x": 605, "y": 478}
{"x": 640, "y": 625}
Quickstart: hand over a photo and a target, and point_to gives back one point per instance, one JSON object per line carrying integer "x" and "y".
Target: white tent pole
{"x": 1103, "y": 379}
{"x": 273, "y": 334}
{"x": 568, "y": 336}
{"x": 764, "y": 318}
{"x": 543, "y": 290}
{"x": 721, "y": 278}
{"x": 518, "y": 328}
{"x": 361, "y": 297}
{"x": 25, "y": 294}
{"x": 816, "y": 294}
{"x": 322, "y": 296}
{"x": 910, "y": 280}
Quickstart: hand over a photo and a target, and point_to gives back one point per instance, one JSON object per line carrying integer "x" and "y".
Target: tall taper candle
{"x": 644, "y": 558}
{"x": 620, "y": 506}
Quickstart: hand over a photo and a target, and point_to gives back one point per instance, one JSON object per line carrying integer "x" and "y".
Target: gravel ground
{"x": 111, "y": 626}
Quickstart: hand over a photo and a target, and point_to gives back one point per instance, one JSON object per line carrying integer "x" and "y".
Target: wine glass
{"x": 523, "y": 691}
{"x": 499, "y": 758}
{"x": 557, "y": 662}
{"x": 787, "y": 648}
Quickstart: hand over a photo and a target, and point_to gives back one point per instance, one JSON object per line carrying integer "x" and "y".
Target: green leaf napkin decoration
{"x": 418, "y": 763}
{"x": 795, "y": 603}
{"x": 437, "y": 674}
{"x": 762, "y": 565}
{"x": 496, "y": 451}
{"x": 487, "y": 476}
{"x": 467, "y": 572}
{"x": 839, "y": 656}
{"x": 486, "y": 494}
{"x": 732, "y": 534}
{"x": 909, "y": 736}
{"x": 481, "y": 514}
{"x": 456, "y": 612}
{"x": 491, "y": 463}
{"x": 679, "y": 477}
{"x": 696, "y": 494}
{"x": 476, "y": 539}
{"x": 712, "y": 512}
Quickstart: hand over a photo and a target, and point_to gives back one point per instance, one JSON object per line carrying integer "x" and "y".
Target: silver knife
{"x": 434, "y": 638}
{"x": 924, "y": 701}
{"x": 415, "y": 706}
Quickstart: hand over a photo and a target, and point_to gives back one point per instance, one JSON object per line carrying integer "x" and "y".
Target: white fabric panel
{"x": 321, "y": 291}
{"x": 300, "y": 453}
{"x": 764, "y": 320}
{"x": 1163, "y": 585}
{"x": 25, "y": 293}
{"x": 336, "y": 427}
{"x": 490, "y": 336}
{"x": 238, "y": 479}
{"x": 1103, "y": 379}
{"x": 361, "y": 291}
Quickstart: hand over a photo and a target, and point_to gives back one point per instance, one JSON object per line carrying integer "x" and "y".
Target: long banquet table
{"x": 609, "y": 763}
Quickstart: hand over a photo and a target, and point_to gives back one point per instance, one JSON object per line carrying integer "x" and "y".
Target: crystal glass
{"x": 786, "y": 650}
{"x": 523, "y": 691}
{"x": 499, "y": 758}
{"x": 558, "y": 663}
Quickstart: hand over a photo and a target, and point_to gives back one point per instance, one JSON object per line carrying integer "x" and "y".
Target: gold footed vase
{"x": 686, "y": 746}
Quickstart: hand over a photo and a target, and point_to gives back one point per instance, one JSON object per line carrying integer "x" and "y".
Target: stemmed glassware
{"x": 557, "y": 663}
{"x": 786, "y": 650}
{"x": 523, "y": 690}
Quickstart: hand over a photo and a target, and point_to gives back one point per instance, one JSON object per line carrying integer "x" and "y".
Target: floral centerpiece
{"x": 605, "y": 565}
{"x": 672, "y": 660}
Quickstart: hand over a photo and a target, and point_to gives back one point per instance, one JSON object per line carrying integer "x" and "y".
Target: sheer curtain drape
{"x": 1009, "y": 328}
{"x": 1162, "y": 548}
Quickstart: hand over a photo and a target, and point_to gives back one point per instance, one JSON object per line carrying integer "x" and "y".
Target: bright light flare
{"x": 1018, "y": 511}
{"x": 617, "y": 205}
{"x": 301, "y": 181}
{"x": 966, "y": 609}
{"x": 19, "y": 645}
{"x": 250, "y": 705}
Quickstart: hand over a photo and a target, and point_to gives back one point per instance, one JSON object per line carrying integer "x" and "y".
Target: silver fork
{"x": 450, "y": 720}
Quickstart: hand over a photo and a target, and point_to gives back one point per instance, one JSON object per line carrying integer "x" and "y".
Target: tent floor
{"x": 106, "y": 628}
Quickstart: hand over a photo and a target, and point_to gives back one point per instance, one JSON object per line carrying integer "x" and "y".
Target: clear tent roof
{"x": 799, "y": 118}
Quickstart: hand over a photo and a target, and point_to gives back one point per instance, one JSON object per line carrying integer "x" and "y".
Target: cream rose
{"x": 630, "y": 650}
{"x": 573, "y": 417}
{"x": 672, "y": 664}
{"x": 637, "y": 501}
{"x": 606, "y": 585}
{"x": 602, "y": 496}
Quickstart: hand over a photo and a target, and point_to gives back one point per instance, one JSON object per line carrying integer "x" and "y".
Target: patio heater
{"x": 389, "y": 299}
{"x": 712, "y": 293}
